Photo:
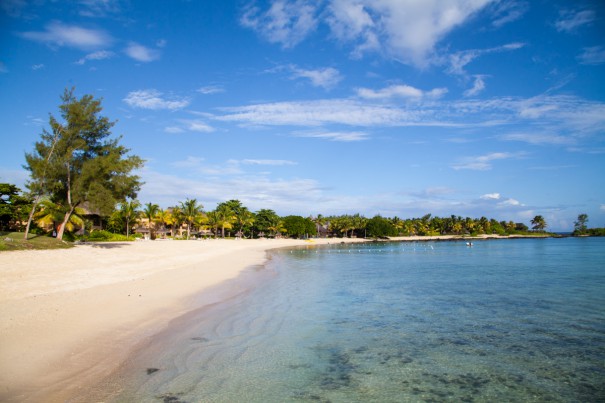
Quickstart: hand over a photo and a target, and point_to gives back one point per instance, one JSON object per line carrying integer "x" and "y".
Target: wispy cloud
{"x": 592, "y": 55}
{"x": 37, "y": 66}
{"x": 211, "y": 89}
{"x": 98, "y": 8}
{"x": 59, "y": 34}
{"x": 285, "y": 22}
{"x": 540, "y": 138}
{"x": 400, "y": 91}
{"x": 326, "y": 77}
{"x": 142, "y": 53}
{"x": 484, "y": 162}
{"x": 477, "y": 88}
{"x": 98, "y": 55}
{"x": 508, "y": 11}
{"x": 190, "y": 125}
{"x": 341, "y": 136}
{"x": 571, "y": 20}
{"x": 459, "y": 60}
{"x": 153, "y": 99}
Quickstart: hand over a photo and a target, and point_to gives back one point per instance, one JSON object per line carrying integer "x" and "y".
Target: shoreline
{"x": 71, "y": 317}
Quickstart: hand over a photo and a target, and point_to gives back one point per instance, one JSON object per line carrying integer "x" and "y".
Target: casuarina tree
{"x": 79, "y": 162}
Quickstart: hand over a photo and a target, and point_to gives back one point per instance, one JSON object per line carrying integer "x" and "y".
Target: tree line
{"x": 231, "y": 218}
{"x": 78, "y": 170}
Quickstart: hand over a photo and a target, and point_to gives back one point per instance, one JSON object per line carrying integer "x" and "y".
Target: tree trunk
{"x": 31, "y": 217}
{"x": 64, "y": 223}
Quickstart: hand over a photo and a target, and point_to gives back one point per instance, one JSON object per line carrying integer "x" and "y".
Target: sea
{"x": 507, "y": 320}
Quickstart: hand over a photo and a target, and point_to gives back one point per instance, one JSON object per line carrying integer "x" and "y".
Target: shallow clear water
{"x": 505, "y": 320}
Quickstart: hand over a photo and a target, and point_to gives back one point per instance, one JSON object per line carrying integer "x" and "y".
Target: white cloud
{"x": 196, "y": 125}
{"x": 478, "y": 87}
{"x": 602, "y": 208}
{"x": 483, "y": 162}
{"x": 142, "y": 53}
{"x": 285, "y": 22}
{"x": 326, "y": 78}
{"x": 508, "y": 11}
{"x": 406, "y": 30}
{"x": 592, "y": 55}
{"x": 491, "y": 196}
{"x": 570, "y": 20}
{"x": 37, "y": 66}
{"x": 59, "y": 34}
{"x": 211, "y": 89}
{"x": 336, "y": 136}
{"x": 152, "y": 99}
{"x": 459, "y": 60}
{"x": 402, "y": 91}
{"x": 98, "y": 55}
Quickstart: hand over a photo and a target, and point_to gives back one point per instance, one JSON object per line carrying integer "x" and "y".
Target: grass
{"x": 14, "y": 241}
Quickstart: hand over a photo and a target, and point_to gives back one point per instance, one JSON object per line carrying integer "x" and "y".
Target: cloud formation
{"x": 405, "y": 30}
{"x": 285, "y": 22}
{"x": 59, "y": 34}
{"x": 571, "y": 20}
{"x": 400, "y": 91}
{"x": 98, "y": 55}
{"x": 152, "y": 99}
{"x": 483, "y": 162}
{"x": 141, "y": 53}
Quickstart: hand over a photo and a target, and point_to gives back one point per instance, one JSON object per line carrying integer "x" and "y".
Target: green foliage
{"x": 266, "y": 222}
{"x": 580, "y": 225}
{"x": 78, "y": 162}
{"x": 104, "y": 236}
{"x": 538, "y": 223}
{"x": 596, "y": 231}
{"x": 298, "y": 227}
{"x": 14, "y": 207}
{"x": 379, "y": 227}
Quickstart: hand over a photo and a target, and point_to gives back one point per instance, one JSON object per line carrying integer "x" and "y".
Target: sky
{"x": 401, "y": 108}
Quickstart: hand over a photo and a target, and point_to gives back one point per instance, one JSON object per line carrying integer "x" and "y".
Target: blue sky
{"x": 392, "y": 107}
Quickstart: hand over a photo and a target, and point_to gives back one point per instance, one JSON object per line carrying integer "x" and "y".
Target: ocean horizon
{"x": 503, "y": 320}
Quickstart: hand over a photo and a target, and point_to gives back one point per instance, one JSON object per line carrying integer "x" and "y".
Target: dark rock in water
{"x": 171, "y": 398}
{"x": 152, "y": 370}
{"x": 202, "y": 339}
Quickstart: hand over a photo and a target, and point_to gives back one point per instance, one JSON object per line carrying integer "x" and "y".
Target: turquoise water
{"x": 505, "y": 320}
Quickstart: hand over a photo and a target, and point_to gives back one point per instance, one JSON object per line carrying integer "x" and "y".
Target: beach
{"x": 69, "y": 317}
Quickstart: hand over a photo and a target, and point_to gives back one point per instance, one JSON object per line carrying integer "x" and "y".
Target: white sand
{"x": 69, "y": 317}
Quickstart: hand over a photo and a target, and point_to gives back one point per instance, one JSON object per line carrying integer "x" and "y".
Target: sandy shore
{"x": 69, "y": 317}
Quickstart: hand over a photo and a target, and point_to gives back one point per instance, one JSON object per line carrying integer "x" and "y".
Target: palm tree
{"x": 52, "y": 214}
{"x": 213, "y": 221}
{"x": 163, "y": 218}
{"x": 245, "y": 219}
{"x": 177, "y": 219}
{"x": 226, "y": 217}
{"x": 191, "y": 210}
{"x": 129, "y": 213}
{"x": 150, "y": 212}
{"x": 539, "y": 223}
